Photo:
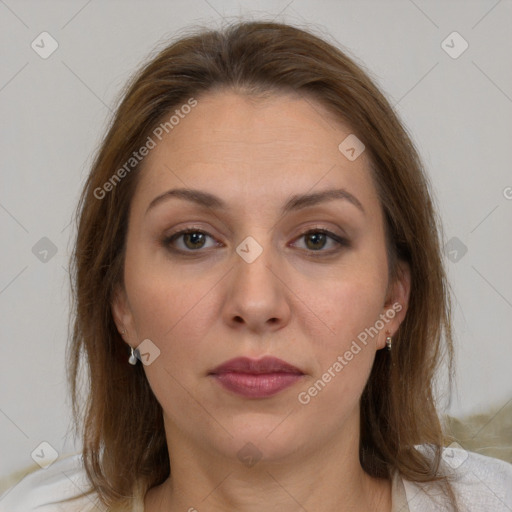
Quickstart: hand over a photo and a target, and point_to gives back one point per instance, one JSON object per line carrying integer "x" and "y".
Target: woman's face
{"x": 247, "y": 282}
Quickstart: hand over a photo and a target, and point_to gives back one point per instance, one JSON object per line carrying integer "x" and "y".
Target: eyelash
{"x": 342, "y": 242}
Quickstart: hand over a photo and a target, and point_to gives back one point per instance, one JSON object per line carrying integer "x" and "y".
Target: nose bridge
{"x": 257, "y": 296}
{"x": 253, "y": 263}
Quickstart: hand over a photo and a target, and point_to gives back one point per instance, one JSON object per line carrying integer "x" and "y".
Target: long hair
{"x": 124, "y": 444}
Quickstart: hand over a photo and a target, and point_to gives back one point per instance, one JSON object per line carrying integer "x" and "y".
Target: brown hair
{"x": 123, "y": 432}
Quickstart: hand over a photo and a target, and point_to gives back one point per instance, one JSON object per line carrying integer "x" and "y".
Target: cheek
{"x": 361, "y": 304}
{"x": 351, "y": 307}
{"x": 164, "y": 301}
{"x": 176, "y": 312}
{"x": 175, "y": 315}
{"x": 351, "y": 302}
{"x": 344, "y": 359}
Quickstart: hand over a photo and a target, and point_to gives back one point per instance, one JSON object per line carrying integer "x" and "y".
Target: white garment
{"x": 482, "y": 484}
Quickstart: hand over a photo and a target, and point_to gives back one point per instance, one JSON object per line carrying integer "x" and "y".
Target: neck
{"x": 321, "y": 478}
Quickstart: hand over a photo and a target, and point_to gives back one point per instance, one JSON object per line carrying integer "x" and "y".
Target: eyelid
{"x": 169, "y": 239}
{"x": 340, "y": 240}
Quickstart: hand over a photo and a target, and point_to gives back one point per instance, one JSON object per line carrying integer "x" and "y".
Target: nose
{"x": 257, "y": 297}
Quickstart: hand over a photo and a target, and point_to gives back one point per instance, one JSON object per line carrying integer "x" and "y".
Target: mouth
{"x": 256, "y": 378}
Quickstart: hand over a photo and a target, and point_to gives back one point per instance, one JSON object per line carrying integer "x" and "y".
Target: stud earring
{"x": 389, "y": 340}
{"x": 133, "y": 358}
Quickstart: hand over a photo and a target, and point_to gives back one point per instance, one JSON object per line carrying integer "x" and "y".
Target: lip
{"x": 256, "y": 378}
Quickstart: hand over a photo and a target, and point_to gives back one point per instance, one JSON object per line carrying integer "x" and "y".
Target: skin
{"x": 209, "y": 305}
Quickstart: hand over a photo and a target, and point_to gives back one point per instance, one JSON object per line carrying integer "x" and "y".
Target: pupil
{"x": 195, "y": 238}
{"x": 317, "y": 237}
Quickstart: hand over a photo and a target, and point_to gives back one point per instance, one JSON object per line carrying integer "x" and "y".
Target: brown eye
{"x": 316, "y": 240}
{"x": 194, "y": 240}
{"x": 188, "y": 240}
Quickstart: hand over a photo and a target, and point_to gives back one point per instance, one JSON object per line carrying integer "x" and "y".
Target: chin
{"x": 259, "y": 438}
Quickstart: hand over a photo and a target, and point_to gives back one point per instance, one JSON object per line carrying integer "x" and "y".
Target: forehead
{"x": 231, "y": 143}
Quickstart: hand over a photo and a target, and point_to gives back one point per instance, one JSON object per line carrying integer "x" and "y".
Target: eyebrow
{"x": 295, "y": 202}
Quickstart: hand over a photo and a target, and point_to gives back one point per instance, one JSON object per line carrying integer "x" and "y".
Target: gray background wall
{"x": 54, "y": 111}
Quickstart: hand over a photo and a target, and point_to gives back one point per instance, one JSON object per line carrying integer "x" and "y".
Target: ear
{"x": 396, "y": 303}
{"x": 122, "y": 314}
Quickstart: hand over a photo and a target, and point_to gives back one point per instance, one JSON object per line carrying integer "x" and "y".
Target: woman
{"x": 260, "y": 300}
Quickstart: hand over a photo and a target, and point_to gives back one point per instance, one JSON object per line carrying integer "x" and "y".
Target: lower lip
{"x": 256, "y": 385}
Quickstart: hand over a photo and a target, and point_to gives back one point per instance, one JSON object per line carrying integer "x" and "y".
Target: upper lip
{"x": 267, "y": 364}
